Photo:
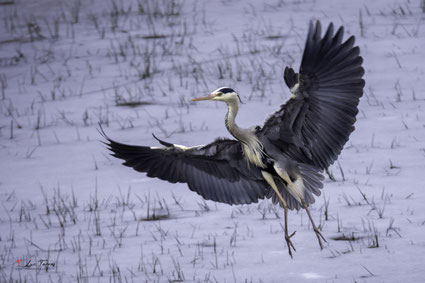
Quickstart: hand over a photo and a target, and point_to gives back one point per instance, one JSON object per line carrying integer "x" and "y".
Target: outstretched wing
{"x": 217, "y": 171}
{"x": 315, "y": 123}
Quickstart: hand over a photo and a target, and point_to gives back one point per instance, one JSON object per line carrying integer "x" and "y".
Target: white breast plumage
{"x": 253, "y": 151}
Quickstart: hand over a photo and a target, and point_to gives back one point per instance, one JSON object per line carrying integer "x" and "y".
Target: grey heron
{"x": 284, "y": 159}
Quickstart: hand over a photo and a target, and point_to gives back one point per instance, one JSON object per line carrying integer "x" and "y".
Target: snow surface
{"x": 66, "y": 65}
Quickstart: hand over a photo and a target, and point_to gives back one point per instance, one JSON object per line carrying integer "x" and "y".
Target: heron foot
{"x": 316, "y": 230}
{"x": 319, "y": 236}
{"x": 289, "y": 242}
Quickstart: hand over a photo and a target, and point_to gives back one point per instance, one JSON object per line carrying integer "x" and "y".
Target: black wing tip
{"x": 101, "y": 131}
{"x": 290, "y": 77}
{"x": 314, "y": 23}
{"x": 318, "y": 30}
{"x": 164, "y": 143}
{"x": 111, "y": 145}
{"x": 315, "y": 28}
{"x": 108, "y": 141}
{"x": 350, "y": 41}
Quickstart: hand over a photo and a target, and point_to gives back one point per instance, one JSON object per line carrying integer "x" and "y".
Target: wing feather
{"x": 217, "y": 171}
{"x": 314, "y": 125}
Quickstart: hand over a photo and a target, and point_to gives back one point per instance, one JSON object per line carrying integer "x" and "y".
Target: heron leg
{"x": 296, "y": 190}
{"x": 269, "y": 178}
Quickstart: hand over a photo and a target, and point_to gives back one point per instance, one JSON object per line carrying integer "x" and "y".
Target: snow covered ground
{"x": 72, "y": 213}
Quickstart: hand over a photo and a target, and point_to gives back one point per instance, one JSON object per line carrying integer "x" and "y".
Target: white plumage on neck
{"x": 251, "y": 146}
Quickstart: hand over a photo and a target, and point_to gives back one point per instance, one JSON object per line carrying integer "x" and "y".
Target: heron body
{"x": 282, "y": 160}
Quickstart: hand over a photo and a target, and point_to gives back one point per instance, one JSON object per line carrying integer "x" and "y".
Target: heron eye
{"x": 219, "y": 94}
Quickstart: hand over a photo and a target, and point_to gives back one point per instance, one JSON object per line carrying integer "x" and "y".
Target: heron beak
{"x": 208, "y": 97}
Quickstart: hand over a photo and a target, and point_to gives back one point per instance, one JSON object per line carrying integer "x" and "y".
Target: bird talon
{"x": 290, "y": 246}
{"x": 289, "y": 242}
{"x": 290, "y": 236}
{"x": 320, "y": 238}
{"x": 316, "y": 230}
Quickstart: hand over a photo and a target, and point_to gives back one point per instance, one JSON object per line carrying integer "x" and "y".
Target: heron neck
{"x": 251, "y": 146}
{"x": 232, "y": 111}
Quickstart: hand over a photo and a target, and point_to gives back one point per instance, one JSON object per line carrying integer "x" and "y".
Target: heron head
{"x": 225, "y": 94}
